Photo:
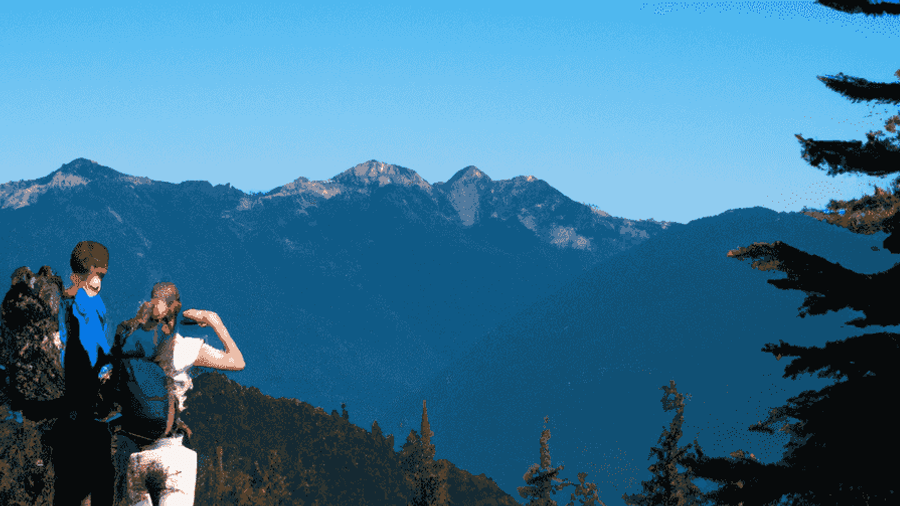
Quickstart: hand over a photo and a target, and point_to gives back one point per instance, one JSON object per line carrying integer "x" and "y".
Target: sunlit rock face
{"x": 548, "y": 214}
{"x": 380, "y": 174}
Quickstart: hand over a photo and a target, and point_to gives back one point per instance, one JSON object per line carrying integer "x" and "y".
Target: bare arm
{"x": 232, "y": 359}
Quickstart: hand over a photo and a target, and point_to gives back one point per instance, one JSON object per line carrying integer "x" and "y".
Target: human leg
{"x": 122, "y": 449}
{"x": 103, "y": 476}
{"x": 71, "y": 457}
{"x": 167, "y": 471}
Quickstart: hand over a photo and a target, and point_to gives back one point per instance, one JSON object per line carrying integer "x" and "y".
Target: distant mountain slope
{"x": 324, "y": 457}
{"x": 349, "y": 290}
{"x": 593, "y": 355}
{"x": 271, "y": 450}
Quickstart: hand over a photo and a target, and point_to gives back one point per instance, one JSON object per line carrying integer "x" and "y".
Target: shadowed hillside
{"x": 592, "y": 355}
{"x": 254, "y": 449}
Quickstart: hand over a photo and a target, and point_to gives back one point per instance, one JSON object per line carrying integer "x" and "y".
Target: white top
{"x": 177, "y": 360}
{"x": 166, "y": 442}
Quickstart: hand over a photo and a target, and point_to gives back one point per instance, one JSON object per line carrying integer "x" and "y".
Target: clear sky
{"x": 664, "y": 110}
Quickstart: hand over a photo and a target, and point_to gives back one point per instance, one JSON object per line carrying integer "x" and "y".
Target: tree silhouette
{"x": 840, "y": 449}
{"x": 862, "y": 6}
{"x": 669, "y": 486}
{"x": 540, "y": 479}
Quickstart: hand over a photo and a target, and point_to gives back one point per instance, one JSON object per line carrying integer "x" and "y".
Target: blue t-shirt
{"x": 90, "y": 312}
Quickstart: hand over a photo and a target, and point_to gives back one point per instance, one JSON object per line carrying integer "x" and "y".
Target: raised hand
{"x": 202, "y": 317}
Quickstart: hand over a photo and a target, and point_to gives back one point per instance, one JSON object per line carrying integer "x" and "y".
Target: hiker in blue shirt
{"x": 90, "y": 312}
{"x": 81, "y": 443}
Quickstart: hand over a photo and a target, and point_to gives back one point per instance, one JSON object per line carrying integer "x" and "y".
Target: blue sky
{"x": 665, "y": 110}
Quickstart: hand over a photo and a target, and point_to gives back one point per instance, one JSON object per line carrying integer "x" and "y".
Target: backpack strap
{"x": 170, "y": 418}
{"x": 179, "y": 424}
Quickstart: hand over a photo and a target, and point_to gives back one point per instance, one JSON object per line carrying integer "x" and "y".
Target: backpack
{"x": 31, "y": 377}
{"x": 148, "y": 405}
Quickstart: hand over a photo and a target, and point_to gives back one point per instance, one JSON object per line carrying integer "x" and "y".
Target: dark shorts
{"x": 88, "y": 459}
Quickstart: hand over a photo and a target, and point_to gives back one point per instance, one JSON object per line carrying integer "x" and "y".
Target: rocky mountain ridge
{"x": 473, "y": 195}
{"x": 354, "y": 289}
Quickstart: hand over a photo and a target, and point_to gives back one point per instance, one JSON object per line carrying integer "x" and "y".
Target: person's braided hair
{"x": 144, "y": 320}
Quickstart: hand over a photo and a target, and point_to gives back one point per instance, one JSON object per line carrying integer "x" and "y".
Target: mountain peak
{"x": 78, "y": 172}
{"x": 470, "y": 173}
{"x": 377, "y": 173}
{"x": 526, "y": 179}
{"x": 85, "y": 169}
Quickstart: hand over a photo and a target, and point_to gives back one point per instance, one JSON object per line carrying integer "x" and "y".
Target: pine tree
{"x": 841, "y": 449}
{"x": 271, "y": 487}
{"x": 427, "y": 479}
{"x": 411, "y": 458}
{"x": 587, "y": 492}
{"x": 862, "y": 6}
{"x": 669, "y": 486}
{"x": 540, "y": 479}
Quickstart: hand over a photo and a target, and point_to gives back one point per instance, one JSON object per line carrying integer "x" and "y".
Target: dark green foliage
{"x": 324, "y": 458}
{"x": 841, "y": 448}
{"x": 857, "y": 89}
{"x": 256, "y": 450}
{"x": 426, "y": 479}
{"x": 853, "y": 156}
{"x": 742, "y": 478}
{"x": 862, "y": 7}
{"x": 227, "y": 485}
{"x": 540, "y": 479}
{"x": 879, "y": 156}
{"x": 311, "y": 457}
{"x": 815, "y": 466}
{"x": 586, "y": 492}
{"x": 865, "y": 215}
{"x": 829, "y": 287}
{"x": 29, "y": 346}
{"x": 466, "y": 489}
{"x": 26, "y": 473}
{"x": 31, "y": 381}
{"x": 669, "y": 486}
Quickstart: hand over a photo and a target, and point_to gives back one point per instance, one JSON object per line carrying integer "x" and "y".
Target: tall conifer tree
{"x": 540, "y": 479}
{"x": 669, "y": 486}
{"x": 586, "y": 492}
{"x": 427, "y": 479}
{"x": 842, "y": 448}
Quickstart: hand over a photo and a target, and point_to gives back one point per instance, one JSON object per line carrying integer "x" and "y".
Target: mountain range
{"x": 500, "y": 302}
{"x": 354, "y": 289}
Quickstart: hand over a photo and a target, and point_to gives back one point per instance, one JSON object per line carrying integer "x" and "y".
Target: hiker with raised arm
{"x": 152, "y": 383}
